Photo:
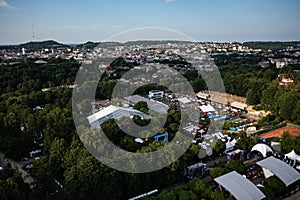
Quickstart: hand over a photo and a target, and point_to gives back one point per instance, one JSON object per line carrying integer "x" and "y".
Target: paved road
{"x": 18, "y": 166}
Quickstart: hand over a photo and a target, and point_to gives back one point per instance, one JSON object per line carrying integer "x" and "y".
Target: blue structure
{"x": 162, "y": 137}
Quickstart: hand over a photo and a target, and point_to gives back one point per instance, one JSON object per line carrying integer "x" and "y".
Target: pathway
{"x": 18, "y": 166}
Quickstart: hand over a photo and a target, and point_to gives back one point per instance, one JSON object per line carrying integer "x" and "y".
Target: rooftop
{"x": 283, "y": 171}
{"x": 239, "y": 186}
{"x": 153, "y": 105}
{"x": 113, "y": 112}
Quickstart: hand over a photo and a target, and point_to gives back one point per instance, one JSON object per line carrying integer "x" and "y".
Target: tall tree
{"x": 219, "y": 147}
{"x": 244, "y": 142}
{"x": 287, "y": 143}
{"x": 57, "y": 153}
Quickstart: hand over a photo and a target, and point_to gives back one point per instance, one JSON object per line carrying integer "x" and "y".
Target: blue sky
{"x": 76, "y": 21}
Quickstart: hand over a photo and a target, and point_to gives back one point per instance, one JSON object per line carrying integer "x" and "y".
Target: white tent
{"x": 207, "y": 108}
{"x": 234, "y": 141}
{"x": 273, "y": 166}
{"x": 229, "y": 146}
{"x": 239, "y": 187}
{"x": 239, "y": 105}
{"x": 262, "y": 148}
{"x": 184, "y": 100}
{"x": 113, "y": 112}
{"x": 293, "y": 156}
{"x": 203, "y": 95}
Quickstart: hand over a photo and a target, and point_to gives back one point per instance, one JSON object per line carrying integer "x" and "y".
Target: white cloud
{"x": 168, "y": 1}
{"x": 4, "y": 4}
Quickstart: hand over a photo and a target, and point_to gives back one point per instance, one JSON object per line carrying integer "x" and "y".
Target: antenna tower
{"x": 33, "y": 34}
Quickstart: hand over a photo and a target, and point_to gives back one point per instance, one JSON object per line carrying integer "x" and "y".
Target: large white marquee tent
{"x": 239, "y": 186}
{"x": 273, "y": 166}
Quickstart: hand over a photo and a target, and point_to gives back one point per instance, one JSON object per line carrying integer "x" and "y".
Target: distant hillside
{"x": 92, "y": 45}
{"x": 42, "y": 45}
{"x": 88, "y": 45}
{"x": 272, "y": 45}
{"x": 31, "y": 46}
{"x": 154, "y": 42}
{"x": 49, "y": 44}
{"x": 110, "y": 44}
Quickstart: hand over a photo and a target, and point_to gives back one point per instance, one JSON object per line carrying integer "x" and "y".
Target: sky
{"x": 78, "y": 21}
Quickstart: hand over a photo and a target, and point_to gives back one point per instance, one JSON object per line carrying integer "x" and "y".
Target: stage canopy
{"x": 273, "y": 166}
{"x": 239, "y": 186}
{"x": 207, "y": 108}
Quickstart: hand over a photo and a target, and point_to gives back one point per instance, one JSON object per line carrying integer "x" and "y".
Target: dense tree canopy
{"x": 289, "y": 143}
{"x": 12, "y": 186}
{"x": 31, "y": 120}
{"x": 219, "y": 147}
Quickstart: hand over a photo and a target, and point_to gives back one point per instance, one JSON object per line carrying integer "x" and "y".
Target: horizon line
{"x": 146, "y": 40}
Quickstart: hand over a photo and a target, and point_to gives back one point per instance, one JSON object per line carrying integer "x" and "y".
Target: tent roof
{"x": 207, "y": 108}
{"x": 156, "y": 106}
{"x": 114, "y": 112}
{"x": 239, "y": 186}
{"x": 262, "y": 148}
{"x": 238, "y": 105}
{"x": 292, "y": 155}
{"x": 184, "y": 100}
{"x": 195, "y": 166}
{"x": 229, "y": 145}
{"x": 283, "y": 171}
{"x": 203, "y": 95}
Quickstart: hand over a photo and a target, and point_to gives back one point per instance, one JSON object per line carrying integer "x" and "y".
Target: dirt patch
{"x": 279, "y": 132}
{"x": 257, "y": 113}
{"x": 220, "y": 97}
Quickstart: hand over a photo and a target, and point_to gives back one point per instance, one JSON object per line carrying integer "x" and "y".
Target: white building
{"x": 156, "y": 94}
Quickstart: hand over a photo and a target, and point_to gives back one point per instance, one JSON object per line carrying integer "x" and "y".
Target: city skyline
{"x": 80, "y": 21}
